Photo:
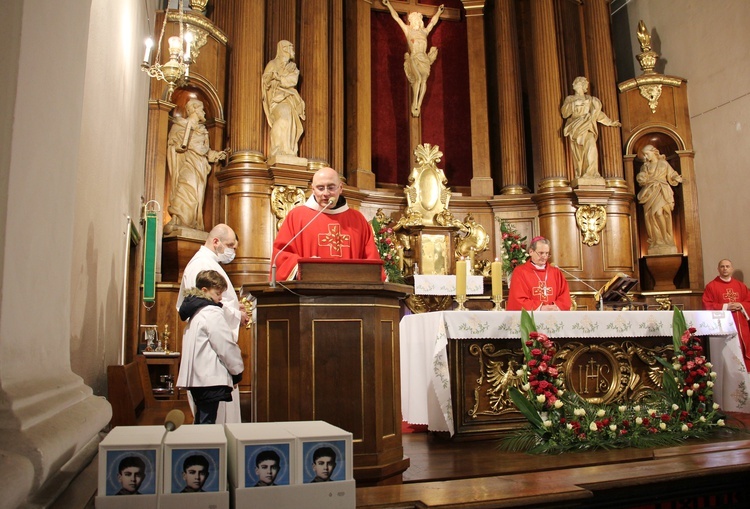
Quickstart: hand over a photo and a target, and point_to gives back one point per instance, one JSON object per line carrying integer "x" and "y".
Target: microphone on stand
{"x": 330, "y": 202}
{"x": 601, "y": 301}
{"x": 174, "y": 419}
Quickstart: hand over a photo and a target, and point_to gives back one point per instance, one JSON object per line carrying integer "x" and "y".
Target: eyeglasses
{"x": 330, "y": 188}
{"x": 543, "y": 255}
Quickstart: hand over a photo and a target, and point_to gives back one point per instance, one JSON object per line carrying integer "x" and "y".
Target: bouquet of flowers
{"x": 385, "y": 240}
{"x": 561, "y": 421}
{"x": 514, "y": 247}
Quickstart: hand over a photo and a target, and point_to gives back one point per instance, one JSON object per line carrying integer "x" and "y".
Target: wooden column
{"x": 481, "y": 182}
{"x": 510, "y": 101}
{"x": 549, "y": 151}
{"x": 315, "y": 82}
{"x": 604, "y": 86}
{"x": 359, "y": 95}
{"x": 246, "y": 122}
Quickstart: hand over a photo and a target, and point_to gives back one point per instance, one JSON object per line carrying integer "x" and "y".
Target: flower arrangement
{"x": 514, "y": 247}
{"x": 561, "y": 421}
{"x": 385, "y": 239}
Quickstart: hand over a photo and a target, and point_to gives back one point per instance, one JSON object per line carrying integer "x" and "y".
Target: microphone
{"x": 330, "y": 202}
{"x": 601, "y": 301}
{"x": 175, "y": 418}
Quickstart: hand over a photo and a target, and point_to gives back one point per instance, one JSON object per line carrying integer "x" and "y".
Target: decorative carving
{"x": 597, "y": 373}
{"x": 284, "y": 199}
{"x": 500, "y": 368}
{"x": 651, "y": 93}
{"x": 200, "y": 37}
{"x": 427, "y": 196}
{"x": 647, "y": 58}
{"x": 474, "y": 241}
{"x": 591, "y": 220}
{"x": 665, "y": 302}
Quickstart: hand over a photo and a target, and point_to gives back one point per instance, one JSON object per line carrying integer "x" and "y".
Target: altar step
{"x": 475, "y": 475}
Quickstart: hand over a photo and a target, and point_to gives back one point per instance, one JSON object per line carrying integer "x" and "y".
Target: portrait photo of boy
{"x": 324, "y": 461}
{"x": 195, "y": 470}
{"x": 131, "y": 472}
{"x": 267, "y": 465}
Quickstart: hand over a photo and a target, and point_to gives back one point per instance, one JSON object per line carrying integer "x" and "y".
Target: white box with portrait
{"x": 195, "y": 460}
{"x": 260, "y": 454}
{"x": 324, "y": 451}
{"x": 129, "y": 464}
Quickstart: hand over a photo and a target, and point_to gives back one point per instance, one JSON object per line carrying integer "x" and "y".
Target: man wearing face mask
{"x": 337, "y": 233}
{"x": 219, "y": 249}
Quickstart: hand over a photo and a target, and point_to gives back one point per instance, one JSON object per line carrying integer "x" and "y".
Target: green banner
{"x": 149, "y": 257}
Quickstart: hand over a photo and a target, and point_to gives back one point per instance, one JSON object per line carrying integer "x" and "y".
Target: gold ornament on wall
{"x": 284, "y": 199}
{"x": 591, "y": 220}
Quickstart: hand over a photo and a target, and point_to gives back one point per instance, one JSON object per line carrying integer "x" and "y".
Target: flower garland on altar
{"x": 385, "y": 239}
{"x": 561, "y": 421}
{"x": 514, "y": 247}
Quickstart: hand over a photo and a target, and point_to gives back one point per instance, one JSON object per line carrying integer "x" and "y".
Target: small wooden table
{"x": 162, "y": 363}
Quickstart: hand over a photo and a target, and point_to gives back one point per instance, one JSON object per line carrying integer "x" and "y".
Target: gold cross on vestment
{"x": 731, "y": 296}
{"x": 543, "y": 291}
{"x": 334, "y": 240}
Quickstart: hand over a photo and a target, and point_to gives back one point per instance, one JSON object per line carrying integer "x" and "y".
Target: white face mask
{"x": 227, "y": 256}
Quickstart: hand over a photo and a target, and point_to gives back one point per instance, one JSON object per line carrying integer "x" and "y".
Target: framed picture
{"x": 131, "y": 472}
{"x": 195, "y": 470}
{"x": 267, "y": 465}
{"x": 324, "y": 461}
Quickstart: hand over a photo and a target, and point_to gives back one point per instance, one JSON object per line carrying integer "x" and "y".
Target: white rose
{"x": 592, "y": 426}
{"x": 662, "y": 426}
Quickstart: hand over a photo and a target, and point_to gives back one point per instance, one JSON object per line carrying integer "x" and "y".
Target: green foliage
{"x": 385, "y": 240}
{"x": 514, "y": 247}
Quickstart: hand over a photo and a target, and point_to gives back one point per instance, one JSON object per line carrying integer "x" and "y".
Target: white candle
{"x": 461, "y": 269}
{"x": 147, "y": 55}
{"x": 497, "y": 278}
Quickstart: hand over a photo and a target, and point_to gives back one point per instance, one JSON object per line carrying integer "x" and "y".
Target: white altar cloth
{"x": 446, "y": 285}
{"x": 425, "y": 376}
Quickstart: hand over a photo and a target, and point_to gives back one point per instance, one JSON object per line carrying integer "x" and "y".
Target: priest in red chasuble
{"x": 727, "y": 293}
{"x": 537, "y": 285}
{"x": 337, "y": 233}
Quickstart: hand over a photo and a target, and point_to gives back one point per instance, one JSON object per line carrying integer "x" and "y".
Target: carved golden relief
{"x": 499, "y": 368}
{"x": 284, "y": 199}
{"x": 591, "y": 220}
{"x": 608, "y": 372}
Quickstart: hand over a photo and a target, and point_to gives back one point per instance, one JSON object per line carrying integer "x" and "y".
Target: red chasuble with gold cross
{"x": 718, "y": 294}
{"x": 341, "y": 233}
{"x": 531, "y": 287}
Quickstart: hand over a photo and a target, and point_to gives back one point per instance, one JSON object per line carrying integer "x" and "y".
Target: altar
{"x": 457, "y": 366}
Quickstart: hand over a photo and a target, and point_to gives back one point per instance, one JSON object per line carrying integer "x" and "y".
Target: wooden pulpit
{"x": 328, "y": 349}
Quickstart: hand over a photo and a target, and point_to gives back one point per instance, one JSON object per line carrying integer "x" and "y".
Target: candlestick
{"x": 461, "y": 278}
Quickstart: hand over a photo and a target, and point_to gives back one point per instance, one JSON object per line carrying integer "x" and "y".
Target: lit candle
{"x": 147, "y": 55}
{"x": 461, "y": 270}
{"x": 497, "y": 278}
{"x": 188, "y": 40}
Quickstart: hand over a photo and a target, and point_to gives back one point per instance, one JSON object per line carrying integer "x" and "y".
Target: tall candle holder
{"x": 460, "y": 299}
{"x": 498, "y": 300}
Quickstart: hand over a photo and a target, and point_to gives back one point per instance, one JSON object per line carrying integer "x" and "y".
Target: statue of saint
{"x": 418, "y": 60}
{"x": 285, "y": 109}
{"x": 583, "y": 113}
{"x": 189, "y": 159}
{"x": 656, "y": 178}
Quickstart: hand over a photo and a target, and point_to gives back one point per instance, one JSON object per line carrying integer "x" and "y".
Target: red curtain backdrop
{"x": 445, "y": 108}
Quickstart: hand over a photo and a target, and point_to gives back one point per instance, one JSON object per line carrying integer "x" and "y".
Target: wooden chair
{"x": 132, "y": 398}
